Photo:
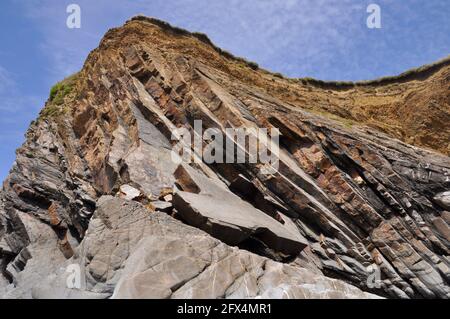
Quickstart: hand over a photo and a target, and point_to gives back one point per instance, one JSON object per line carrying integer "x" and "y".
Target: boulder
{"x": 129, "y": 193}
{"x": 210, "y": 206}
{"x": 443, "y": 199}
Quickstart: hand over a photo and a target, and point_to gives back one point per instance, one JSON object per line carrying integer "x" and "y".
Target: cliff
{"x": 95, "y": 185}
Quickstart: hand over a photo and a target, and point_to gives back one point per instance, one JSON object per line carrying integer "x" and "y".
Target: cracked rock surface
{"x": 128, "y": 253}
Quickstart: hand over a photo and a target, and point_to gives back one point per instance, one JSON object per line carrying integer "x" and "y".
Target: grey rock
{"x": 128, "y": 253}
{"x": 162, "y": 206}
{"x": 172, "y": 260}
{"x": 225, "y": 216}
{"x": 443, "y": 199}
{"x": 129, "y": 193}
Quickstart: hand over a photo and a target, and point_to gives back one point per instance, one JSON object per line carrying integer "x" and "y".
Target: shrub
{"x": 278, "y": 75}
{"x": 50, "y": 111}
{"x": 57, "y": 96}
{"x": 253, "y": 65}
{"x": 54, "y": 91}
{"x": 61, "y": 89}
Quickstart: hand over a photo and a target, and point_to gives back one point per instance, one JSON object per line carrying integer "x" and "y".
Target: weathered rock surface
{"x": 345, "y": 200}
{"x": 224, "y": 215}
{"x": 130, "y": 252}
{"x": 443, "y": 199}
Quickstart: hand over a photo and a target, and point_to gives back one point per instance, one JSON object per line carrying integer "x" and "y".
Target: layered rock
{"x": 129, "y": 253}
{"x": 344, "y": 200}
{"x": 225, "y": 216}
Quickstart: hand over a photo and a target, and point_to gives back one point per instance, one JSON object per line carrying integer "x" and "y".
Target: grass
{"x": 278, "y": 75}
{"x": 61, "y": 89}
{"x": 413, "y": 74}
{"x": 348, "y": 123}
{"x": 50, "y": 110}
{"x": 57, "y": 97}
{"x": 197, "y": 35}
{"x": 58, "y": 92}
{"x": 252, "y": 65}
{"x": 326, "y": 84}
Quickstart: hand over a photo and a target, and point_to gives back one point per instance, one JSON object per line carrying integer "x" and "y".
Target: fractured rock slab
{"x": 210, "y": 206}
{"x": 443, "y": 199}
{"x": 129, "y": 193}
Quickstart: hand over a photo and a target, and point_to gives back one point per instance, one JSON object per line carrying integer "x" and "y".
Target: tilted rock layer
{"x": 94, "y": 186}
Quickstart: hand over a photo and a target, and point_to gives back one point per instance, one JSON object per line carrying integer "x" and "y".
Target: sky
{"x": 324, "y": 39}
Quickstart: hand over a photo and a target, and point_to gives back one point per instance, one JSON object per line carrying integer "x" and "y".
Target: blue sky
{"x": 325, "y": 39}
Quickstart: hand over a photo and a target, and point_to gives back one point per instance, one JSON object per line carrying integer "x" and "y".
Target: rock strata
{"x": 350, "y": 212}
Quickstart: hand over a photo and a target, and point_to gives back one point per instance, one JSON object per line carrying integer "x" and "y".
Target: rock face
{"x": 128, "y": 253}
{"x": 349, "y": 212}
{"x": 227, "y": 217}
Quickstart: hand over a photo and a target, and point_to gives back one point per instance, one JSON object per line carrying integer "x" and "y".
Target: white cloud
{"x": 310, "y": 30}
{"x": 295, "y": 36}
{"x": 6, "y": 80}
{"x": 14, "y": 106}
{"x": 323, "y": 38}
